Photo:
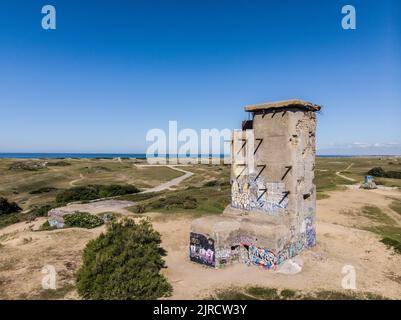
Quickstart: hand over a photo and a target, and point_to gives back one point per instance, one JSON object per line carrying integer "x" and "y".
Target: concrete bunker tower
{"x": 272, "y": 213}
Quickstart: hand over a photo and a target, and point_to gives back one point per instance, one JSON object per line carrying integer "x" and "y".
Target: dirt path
{"x": 171, "y": 183}
{"x": 338, "y": 173}
{"x": 119, "y": 206}
{"x": 73, "y": 182}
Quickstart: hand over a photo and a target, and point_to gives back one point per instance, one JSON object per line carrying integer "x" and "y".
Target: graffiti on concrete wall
{"x": 227, "y": 255}
{"x": 201, "y": 249}
{"x": 251, "y": 192}
{"x": 262, "y": 257}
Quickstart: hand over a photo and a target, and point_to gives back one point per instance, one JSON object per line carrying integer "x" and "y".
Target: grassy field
{"x": 354, "y": 168}
{"x": 26, "y": 181}
{"x": 33, "y": 183}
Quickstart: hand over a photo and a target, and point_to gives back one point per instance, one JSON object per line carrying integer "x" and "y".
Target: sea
{"x": 113, "y": 155}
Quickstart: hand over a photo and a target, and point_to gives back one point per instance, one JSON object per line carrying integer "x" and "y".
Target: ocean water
{"x": 71, "y": 155}
{"x": 108, "y": 155}
{"x": 84, "y": 155}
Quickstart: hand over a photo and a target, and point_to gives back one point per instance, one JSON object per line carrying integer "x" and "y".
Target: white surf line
{"x": 338, "y": 173}
{"x": 168, "y": 184}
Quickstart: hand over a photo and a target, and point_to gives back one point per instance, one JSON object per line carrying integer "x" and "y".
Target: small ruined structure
{"x": 55, "y": 217}
{"x": 368, "y": 183}
{"x": 272, "y": 213}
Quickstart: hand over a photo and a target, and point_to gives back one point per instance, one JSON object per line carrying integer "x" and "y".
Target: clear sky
{"x": 112, "y": 70}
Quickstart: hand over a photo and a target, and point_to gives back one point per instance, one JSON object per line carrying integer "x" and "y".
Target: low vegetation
{"x": 391, "y": 236}
{"x": 124, "y": 264}
{"x": 46, "y": 226}
{"x": 15, "y": 217}
{"x": 7, "y": 207}
{"x": 43, "y": 190}
{"x": 396, "y": 206}
{"x": 384, "y": 226}
{"x": 58, "y": 164}
{"x": 27, "y": 165}
{"x": 194, "y": 200}
{"x": 376, "y": 214}
{"x": 264, "y": 293}
{"x": 92, "y": 192}
{"x": 381, "y": 173}
{"x": 82, "y": 220}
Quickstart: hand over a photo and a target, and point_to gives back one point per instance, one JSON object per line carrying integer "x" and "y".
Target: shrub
{"x": 211, "y": 183}
{"x": 8, "y": 207}
{"x": 124, "y": 264}
{"x": 58, "y": 164}
{"x": 395, "y": 244}
{"x": 92, "y": 192}
{"x": 379, "y": 172}
{"x": 41, "y": 211}
{"x": 175, "y": 201}
{"x": 82, "y": 220}
{"x": 393, "y": 174}
{"x": 43, "y": 190}
{"x": 27, "y": 165}
{"x": 139, "y": 208}
{"x": 46, "y": 226}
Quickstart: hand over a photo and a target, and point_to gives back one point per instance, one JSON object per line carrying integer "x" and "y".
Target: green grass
{"x": 265, "y": 293}
{"x": 92, "y": 192}
{"x": 194, "y": 200}
{"x": 321, "y": 195}
{"x": 58, "y": 293}
{"x": 384, "y": 226}
{"x": 391, "y": 236}
{"x": 376, "y": 214}
{"x": 17, "y": 184}
{"x": 327, "y": 180}
{"x": 396, "y": 206}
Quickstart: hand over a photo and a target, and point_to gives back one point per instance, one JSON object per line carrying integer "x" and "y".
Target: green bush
{"x": 27, "y": 165}
{"x": 82, "y": 220}
{"x": 47, "y": 227}
{"x": 58, "y": 164}
{"x": 123, "y": 264}
{"x": 43, "y": 190}
{"x": 41, "y": 211}
{"x": 8, "y": 207}
{"x": 92, "y": 192}
{"x": 139, "y": 208}
{"x": 175, "y": 201}
{"x": 379, "y": 172}
{"x": 211, "y": 183}
{"x": 395, "y": 244}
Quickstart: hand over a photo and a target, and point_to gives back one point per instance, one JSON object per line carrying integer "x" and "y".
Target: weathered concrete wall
{"x": 273, "y": 198}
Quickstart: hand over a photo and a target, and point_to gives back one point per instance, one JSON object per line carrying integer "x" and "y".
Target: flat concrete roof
{"x": 293, "y": 103}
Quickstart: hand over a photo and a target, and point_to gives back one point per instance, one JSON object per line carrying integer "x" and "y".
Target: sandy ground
{"x": 24, "y": 252}
{"x": 95, "y": 207}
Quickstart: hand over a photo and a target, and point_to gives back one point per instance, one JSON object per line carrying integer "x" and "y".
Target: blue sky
{"x": 112, "y": 70}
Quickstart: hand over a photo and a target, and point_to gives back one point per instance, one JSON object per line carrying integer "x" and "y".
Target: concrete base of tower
{"x": 239, "y": 236}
